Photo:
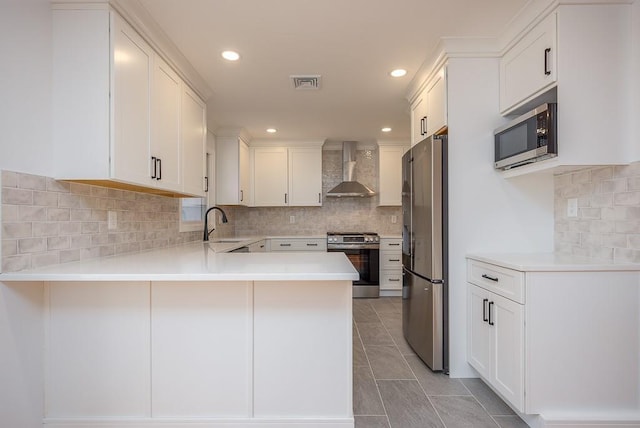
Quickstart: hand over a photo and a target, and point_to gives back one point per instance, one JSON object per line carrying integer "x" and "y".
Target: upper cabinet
{"x": 232, "y": 171}
{"x": 119, "y": 115}
{"x": 571, "y": 58}
{"x": 429, "y": 107}
{"x": 390, "y": 173}
{"x": 286, "y": 176}
{"x": 528, "y": 68}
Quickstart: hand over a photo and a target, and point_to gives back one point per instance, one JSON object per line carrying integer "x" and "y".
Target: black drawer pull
{"x": 484, "y": 310}
{"x": 394, "y": 260}
{"x": 285, "y": 245}
{"x": 490, "y": 278}
{"x": 312, "y": 245}
{"x": 394, "y": 279}
{"x": 490, "y": 320}
{"x": 395, "y": 245}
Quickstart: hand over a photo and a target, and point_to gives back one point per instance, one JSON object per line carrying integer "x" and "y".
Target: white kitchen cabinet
{"x": 541, "y": 335}
{"x": 165, "y": 130}
{"x": 193, "y": 142}
{"x": 529, "y": 67}
{"x": 390, "y": 264}
{"x": 286, "y": 176}
{"x": 258, "y": 247}
{"x": 437, "y": 102}
{"x": 297, "y": 244}
{"x": 418, "y": 118}
{"x": 116, "y": 105}
{"x": 270, "y": 177}
{"x": 305, "y": 176}
{"x": 429, "y": 107}
{"x": 232, "y": 171}
{"x": 390, "y": 174}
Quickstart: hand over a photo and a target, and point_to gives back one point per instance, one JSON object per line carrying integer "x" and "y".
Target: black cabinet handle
{"x": 394, "y": 279}
{"x": 319, "y": 198}
{"x": 490, "y": 278}
{"x": 484, "y": 310}
{"x": 394, "y": 245}
{"x": 490, "y": 320}
{"x": 206, "y": 184}
{"x": 547, "y": 51}
{"x": 241, "y": 195}
{"x": 159, "y": 177}
{"x": 394, "y": 260}
{"x": 312, "y": 245}
{"x": 155, "y": 167}
{"x": 285, "y": 198}
{"x": 285, "y": 245}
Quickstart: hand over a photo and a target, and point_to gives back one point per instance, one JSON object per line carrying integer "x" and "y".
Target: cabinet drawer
{"x": 390, "y": 244}
{"x": 391, "y": 280}
{"x": 390, "y": 260}
{"x": 505, "y": 282}
{"x": 319, "y": 244}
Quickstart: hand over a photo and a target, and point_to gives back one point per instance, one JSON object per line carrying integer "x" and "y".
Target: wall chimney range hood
{"x": 349, "y": 188}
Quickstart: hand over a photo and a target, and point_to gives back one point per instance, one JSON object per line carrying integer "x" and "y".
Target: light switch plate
{"x": 572, "y": 207}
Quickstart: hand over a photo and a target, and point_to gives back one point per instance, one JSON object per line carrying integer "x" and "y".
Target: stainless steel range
{"x": 363, "y": 250}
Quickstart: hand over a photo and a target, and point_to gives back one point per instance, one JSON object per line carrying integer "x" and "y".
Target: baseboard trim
{"x": 197, "y": 423}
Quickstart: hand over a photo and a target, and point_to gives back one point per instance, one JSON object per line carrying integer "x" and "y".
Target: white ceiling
{"x": 353, "y": 44}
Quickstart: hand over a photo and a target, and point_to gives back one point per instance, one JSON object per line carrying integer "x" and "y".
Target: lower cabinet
{"x": 496, "y": 342}
{"x": 297, "y": 244}
{"x": 258, "y": 247}
{"x": 390, "y": 264}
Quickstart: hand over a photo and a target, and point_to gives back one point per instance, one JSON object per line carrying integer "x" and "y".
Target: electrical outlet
{"x": 292, "y": 219}
{"x": 572, "y": 207}
{"x": 113, "y": 220}
{"x": 394, "y": 219}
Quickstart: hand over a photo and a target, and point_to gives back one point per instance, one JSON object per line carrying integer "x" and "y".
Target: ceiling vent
{"x": 306, "y": 83}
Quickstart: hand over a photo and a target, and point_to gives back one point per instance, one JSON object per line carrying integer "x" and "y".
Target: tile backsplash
{"x": 46, "y": 222}
{"x": 607, "y": 226}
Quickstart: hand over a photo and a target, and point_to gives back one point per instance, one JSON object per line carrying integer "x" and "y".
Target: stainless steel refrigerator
{"x": 424, "y": 251}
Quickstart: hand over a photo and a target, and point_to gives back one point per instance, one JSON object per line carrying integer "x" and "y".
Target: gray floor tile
{"x": 462, "y": 412}
{"x": 510, "y": 422}
{"x": 374, "y": 333}
{"x": 363, "y": 312}
{"x": 371, "y": 422}
{"x": 489, "y": 400}
{"x": 391, "y": 320}
{"x": 384, "y": 305}
{"x": 387, "y": 363}
{"x": 401, "y": 343}
{"x": 366, "y": 399}
{"x": 435, "y": 383}
{"x": 406, "y": 404}
{"x": 359, "y": 357}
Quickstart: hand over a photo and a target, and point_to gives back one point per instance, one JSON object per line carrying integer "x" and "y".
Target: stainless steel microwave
{"x": 529, "y": 138}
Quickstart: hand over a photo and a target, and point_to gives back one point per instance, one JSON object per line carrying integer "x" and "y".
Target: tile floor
{"x": 393, "y": 388}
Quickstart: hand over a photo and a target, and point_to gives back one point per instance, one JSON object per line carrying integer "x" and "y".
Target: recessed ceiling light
{"x": 387, "y": 129}
{"x": 399, "y": 72}
{"x": 231, "y": 55}
{"x": 272, "y": 130}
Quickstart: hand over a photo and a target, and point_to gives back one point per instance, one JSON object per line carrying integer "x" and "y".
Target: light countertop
{"x": 200, "y": 261}
{"x": 551, "y": 262}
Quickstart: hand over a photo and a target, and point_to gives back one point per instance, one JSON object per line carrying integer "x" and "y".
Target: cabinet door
{"x": 165, "y": 126}
{"x": 132, "y": 59}
{"x": 390, "y": 175}
{"x": 507, "y": 317}
{"x": 478, "y": 330}
{"x": 305, "y": 176}
{"x": 243, "y": 173}
{"x": 529, "y": 67}
{"x": 270, "y": 176}
{"x": 437, "y": 103}
{"x": 418, "y": 118}
{"x": 193, "y": 141}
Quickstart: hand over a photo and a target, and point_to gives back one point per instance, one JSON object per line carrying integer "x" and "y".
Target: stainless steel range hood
{"x": 349, "y": 188}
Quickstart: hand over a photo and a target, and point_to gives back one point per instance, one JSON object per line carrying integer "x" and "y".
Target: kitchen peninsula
{"x": 189, "y": 336}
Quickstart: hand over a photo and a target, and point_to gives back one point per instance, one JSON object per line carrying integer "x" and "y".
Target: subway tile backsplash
{"x": 46, "y": 222}
{"x": 607, "y": 226}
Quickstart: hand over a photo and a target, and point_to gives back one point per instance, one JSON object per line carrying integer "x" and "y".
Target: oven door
{"x": 366, "y": 261}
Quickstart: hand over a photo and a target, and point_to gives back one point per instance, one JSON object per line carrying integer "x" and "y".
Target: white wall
{"x": 487, "y": 213}
{"x": 25, "y": 85}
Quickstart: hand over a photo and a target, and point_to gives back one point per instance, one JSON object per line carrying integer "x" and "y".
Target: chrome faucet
{"x": 207, "y": 232}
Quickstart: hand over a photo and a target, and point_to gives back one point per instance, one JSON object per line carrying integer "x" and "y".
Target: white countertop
{"x": 551, "y": 262}
{"x": 200, "y": 262}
